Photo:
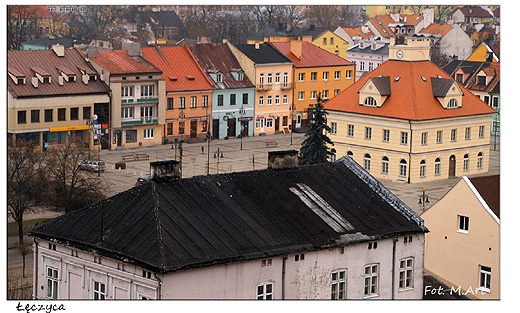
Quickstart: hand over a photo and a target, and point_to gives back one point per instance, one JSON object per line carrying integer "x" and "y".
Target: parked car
{"x": 93, "y": 166}
{"x": 143, "y": 179}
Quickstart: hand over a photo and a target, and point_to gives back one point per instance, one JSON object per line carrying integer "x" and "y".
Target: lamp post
{"x": 423, "y": 199}
{"x": 96, "y": 131}
{"x": 292, "y": 108}
{"x": 241, "y": 112}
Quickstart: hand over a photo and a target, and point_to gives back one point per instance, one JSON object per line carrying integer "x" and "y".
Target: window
{"x": 486, "y": 99}
{"x": 458, "y": 77}
{"x": 259, "y": 123}
{"x": 61, "y": 114}
{"x": 348, "y": 74}
{"x": 466, "y": 162}
{"x": 148, "y": 133}
{"x": 325, "y": 76}
{"x": 286, "y": 79}
{"x": 453, "y": 103}
{"x": 301, "y": 95}
{"x": 439, "y": 136}
{"x": 169, "y": 128}
{"x": 127, "y": 112}
{"x": 182, "y": 103}
{"x": 481, "y": 80}
{"x": 277, "y": 78}
{"x": 404, "y": 138}
{"x": 313, "y": 94}
{"x": 314, "y": 76}
{"x": 218, "y": 77}
{"x": 181, "y": 128}
{"x": 146, "y": 112}
{"x": 285, "y": 120}
{"x": 371, "y": 277}
{"x": 232, "y": 99}
{"x": 220, "y": 100}
{"x": 384, "y": 165}
{"x": 370, "y": 66}
{"x": 337, "y": 75}
{"x": 324, "y": 41}
{"x": 269, "y": 122}
{"x": 127, "y": 91}
{"x": 331, "y": 40}
{"x": 48, "y": 114}
{"x": 350, "y": 132}
{"x": 285, "y": 99}
{"x": 205, "y": 101}
{"x": 463, "y": 224}
{"x": 193, "y": 102}
{"x": 437, "y": 166}
{"x": 269, "y": 78}
{"x": 35, "y": 116}
{"x": 386, "y": 135}
{"x": 333, "y": 128}
{"x": 261, "y": 100}
{"x": 422, "y": 169}
{"x": 169, "y": 105}
{"x": 301, "y": 77}
{"x": 261, "y": 80}
{"x": 370, "y": 101}
{"x": 264, "y": 291}
{"x": 22, "y": 117}
{"x": 269, "y": 100}
{"x": 368, "y": 133}
{"x": 52, "y": 283}
{"x": 99, "y": 291}
{"x": 424, "y": 139}
{"x": 336, "y": 92}
{"x": 361, "y": 66}
{"x": 277, "y": 100}
{"x": 453, "y": 135}
{"x": 86, "y": 113}
{"x": 481, "y": 131}
{"x": 245, "y": 98}
{"x": 495, "y": 102}
{"x": 74, "y": 114}
{"x": 339, "y": 285}
{"x": 366, "y": 162}
{"x": 131, "y": 135}
{"x": 147, "y": 91}
{"x": 403, "y": 168}
{"x": 485, "y": 278}
{"x": 406, "y": 274}
{"x": 479, "y": 160}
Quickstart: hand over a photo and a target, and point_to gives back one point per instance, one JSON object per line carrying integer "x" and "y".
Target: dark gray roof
{"x": 382, "y": 84}
{"x": 441, "y": 86}
{"x": 48, "y": 42}
{"x": 382, "y": 50}
{"x": 265, "y": 54}
{"x": 215, "y": 219}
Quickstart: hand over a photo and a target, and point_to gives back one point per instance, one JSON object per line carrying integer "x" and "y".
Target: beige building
{"x": 53, "y": 96}
{"x": 463, "y": 245}
{"x": 408, "y": 120}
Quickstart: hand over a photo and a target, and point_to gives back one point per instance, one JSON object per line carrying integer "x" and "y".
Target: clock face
{"x": 400, "y": 54}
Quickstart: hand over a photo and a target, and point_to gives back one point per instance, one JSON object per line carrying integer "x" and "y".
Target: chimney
{"x": 59, "y": 50}
{"x": 257, "y": 45}
{"x": 162, "y": 171}
{"x": 280, "y": 160}
{"x": 296, "y": 48}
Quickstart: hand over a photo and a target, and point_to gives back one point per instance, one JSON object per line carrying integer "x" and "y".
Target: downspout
{"x": 35, "y": 273}
{"x": 159, "y": 287}
{"x": 284, "y": 262}
{"x": 410, "y": 153}
{"x": 393, "y": 266}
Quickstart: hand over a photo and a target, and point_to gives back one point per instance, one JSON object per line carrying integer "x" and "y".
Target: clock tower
{"x": 409, "y": 48}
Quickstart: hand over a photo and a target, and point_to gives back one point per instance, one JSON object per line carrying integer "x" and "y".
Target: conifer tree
{"x": 316, "y": 145}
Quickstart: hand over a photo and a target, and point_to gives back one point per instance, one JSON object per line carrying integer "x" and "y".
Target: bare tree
{"x": 324, "y": 16}
{"x": 21, "y": 25}
{"x": 26, "y": 181}
{"x": 443, "y": 12}
{"x": 94, "y": 20}
{"x": 73, "y": 188}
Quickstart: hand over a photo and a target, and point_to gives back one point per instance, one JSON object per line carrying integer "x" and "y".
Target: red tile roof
{"x": 312, "y": 55}
{"x": 180, "y": 69}
{"x": 437, "y": 29}
{"x": 118, "y": 62}
{"x": 29, "y": 11}
{"x": 411, "y": 97}
{"x": 357, "y": 31}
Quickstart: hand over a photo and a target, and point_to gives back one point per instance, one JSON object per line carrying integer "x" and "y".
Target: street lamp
{"x": 241, "y": 112}
{"x": 95, "y": 126}
{"x": 423, "y": 199}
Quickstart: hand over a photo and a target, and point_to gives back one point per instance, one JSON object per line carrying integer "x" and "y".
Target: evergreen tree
{"x": 316, "y": 145}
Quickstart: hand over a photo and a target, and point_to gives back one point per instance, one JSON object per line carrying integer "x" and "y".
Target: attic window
{"x": 453, "y": 103}
{"x": 173, "y": 78}
{"x": 219, "y": 78}
{"x": 190, "y": 77}
{"x": 481, "y": 80}
{"x": 397, "y": 78}
{"x": 423, "y": 78}
{"x": 370, "y": 101}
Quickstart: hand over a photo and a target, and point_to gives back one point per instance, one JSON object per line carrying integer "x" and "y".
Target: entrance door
{"x": 453, "y": 163}
{"x": 231, "y": 127}
{"x": 298, "y": 120}
{"x": 245, "y": 128}
{"x": 276, "y": 124}
{"x": 193, "y": 128}
{"x": 215, "y": 129}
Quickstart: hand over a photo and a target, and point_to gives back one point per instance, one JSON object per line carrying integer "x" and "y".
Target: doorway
{"x": 453, "y": 164}
{"x": 231, "y": 127}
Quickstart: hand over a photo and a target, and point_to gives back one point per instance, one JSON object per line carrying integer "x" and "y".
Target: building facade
{"x": 52, "y": 97}
{"x": 408, "y": 120}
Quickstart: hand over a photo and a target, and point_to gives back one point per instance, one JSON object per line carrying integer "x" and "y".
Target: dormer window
{"x": 453, "y": 103}
{"x": 481, "y": 80}
{"x": 219, "y": 78}
{"x": 370, "y": 101}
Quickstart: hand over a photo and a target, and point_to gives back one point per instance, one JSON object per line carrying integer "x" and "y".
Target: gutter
{"x": 393, "y": 266}
{"x": 284, "y": 262}
{"x": 35, "y": 274}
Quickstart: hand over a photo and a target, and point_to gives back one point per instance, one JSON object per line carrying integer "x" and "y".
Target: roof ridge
{"x": 414, "y": 95}
{"x": 160, "y": 240}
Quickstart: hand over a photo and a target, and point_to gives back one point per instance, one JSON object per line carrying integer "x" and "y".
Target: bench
{"x": 270, "y": 144}
{"x": 135, "y": 157}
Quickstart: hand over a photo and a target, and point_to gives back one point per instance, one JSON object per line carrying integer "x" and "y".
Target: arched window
{"x": 422, "y": 169}
{"x": 333, "y": 156}
{"x": 403, "y": 168}
{"x": 384, "y": 165}
{"x": 453, "y": 103}
{"x": 370, "y": 101}
{"x": 466, "y": 162}
{"x": 366, "y": 160}
{"x": 350, "y": 154}
{"x": 437, "y": 166}
{"x": 480, "y": 158}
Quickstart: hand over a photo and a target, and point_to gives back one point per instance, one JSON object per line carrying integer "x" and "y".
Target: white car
{"x": 92, "y": 166}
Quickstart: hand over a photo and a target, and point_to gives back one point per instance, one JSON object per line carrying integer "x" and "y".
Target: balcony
{"x": 287, "y": 86}
{"x": 264, "y": 87}
{"x": 139, "y": 100}
{"x": 147, "y": 120}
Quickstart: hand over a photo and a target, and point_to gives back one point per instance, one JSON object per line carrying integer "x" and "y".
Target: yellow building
{"x": 463, "y": 245}
{"x": 271, "y": 73}
{"x": 408, "y": 120}
{"x": 483, "y": 53}
{"x": 315, "y": 71}
{"x": 53, "y": 96}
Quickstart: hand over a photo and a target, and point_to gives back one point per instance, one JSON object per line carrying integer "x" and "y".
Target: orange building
{"x": 188, "y": 92}
{"x": 315, "y": 71}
